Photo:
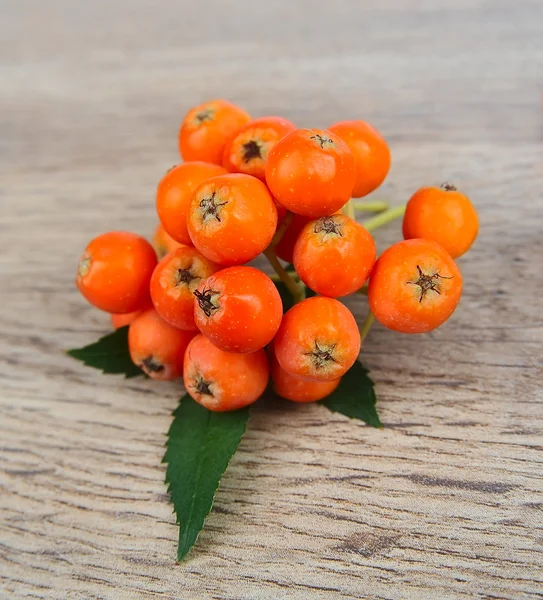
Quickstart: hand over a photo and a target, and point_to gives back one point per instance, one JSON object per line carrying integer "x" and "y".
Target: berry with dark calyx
{"x": 223, "y": 381}
{"x": 239, "y": 309}
{"x": 318, "y": 339}
{"x": 414, "y": 286}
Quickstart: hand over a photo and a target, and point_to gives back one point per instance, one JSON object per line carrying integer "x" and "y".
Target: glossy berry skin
{"x": 163, "y": 242}
{"x": 414, "y": 287}
{"x": 285, "y": 247}
{"x": 318, "y": 339}
{"x": 239, "y": 309}
{"x": 223, "y": 381}
{"x": 370, "y": 152}
{"x": 296, "y": 389}
{"x": 207, "y": 128}
{"x": 157, "y": 347}
{"x": 311, "y": 172}
{"x": 232, "y": 218}
{"x": 114, "y": 272}
{"x": 248, "y": 151}
{"x": 334, "y": 255}
{"x": 174, "y": 193}
{"x": 443, "y": 215}
{"x": 174, "y": 281}
{"x": 122, "y": 320}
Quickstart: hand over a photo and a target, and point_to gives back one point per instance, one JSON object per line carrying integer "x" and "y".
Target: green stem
{"x": 375, "y": 206}
{"x": 294, "y": 275}
{"x": 366, "y": 326}
{"x": 295, "y": 288}
{"x": 363, "y": 290}
{"x": 384, "y": 218}
{"x": 281, "y": 229}
{"x": 349, "y": 209}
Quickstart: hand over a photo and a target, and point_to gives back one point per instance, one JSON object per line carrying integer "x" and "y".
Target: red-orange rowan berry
{"x": 121, "y": 320}
{"x": 163, "y": 242}
{"x": 295, "y": 388}
{"x": 174, "y": 281}
{"x": 157, "y": 347}
{"x": 207, "y": 128}
{"x": 311, "y": 172}
{"x": 232, "y": 218}
{"x": 175, "y": 191}
{"x": 414, "y": 286}
{"x": 285, "y": 247}
{"x": 114, "y": 272}
{"x": 318, "y": 339}
{"x": 248, "y": 151}
{"x": 239, "y": 309}
{"x": 443, "y": 215}
{"x": 370, "y": 152}
{"x": 334, "y": 255}
{"x": 223, "y": 381}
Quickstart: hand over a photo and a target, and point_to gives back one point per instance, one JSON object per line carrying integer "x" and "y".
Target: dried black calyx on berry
{"x": 203, "y": 387}
{"x": 251, "y": 149}
{"x": 207, "y": 301}
{"x": 204, "y": 115}
{"x": 151, "y": 365}
{"x": 428, "y": 283}
{"x": 184, "y": 276}
{"x": 211, "y": 207}
{"x": 448, "y": 187}
{"x": 323, "y": 140}
{"x": 322, "y": 355}
{"x": 328, "y": 226}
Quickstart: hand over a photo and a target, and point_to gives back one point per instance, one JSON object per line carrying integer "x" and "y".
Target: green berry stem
{"x": 374, "y": 206}
{"x": 363, "y": 290}
{"x": 297, "y": 289}
{"x": 281, "y": 229}
{"x": 293, "y": 274}
{"x": 384, "y": 218}
{"x": 366, "y": 326}
{"x": 349, "y": 209}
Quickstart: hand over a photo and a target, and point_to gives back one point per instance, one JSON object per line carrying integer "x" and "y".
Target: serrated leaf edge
{"x": 181, "y": 556}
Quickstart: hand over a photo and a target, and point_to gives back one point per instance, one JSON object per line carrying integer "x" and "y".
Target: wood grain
{"x": 446, "y": 501}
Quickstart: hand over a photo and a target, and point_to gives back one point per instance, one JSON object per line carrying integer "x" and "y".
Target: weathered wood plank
{"x": 446, "y": 501}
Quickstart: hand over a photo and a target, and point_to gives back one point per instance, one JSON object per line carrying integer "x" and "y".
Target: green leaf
{"x": 109, "y": 354}
{"x": 355, "y": 397}
{"x": 199, "y": 447}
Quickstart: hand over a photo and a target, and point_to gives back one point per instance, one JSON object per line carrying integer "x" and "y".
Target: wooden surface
{"x": 446, "y": 501}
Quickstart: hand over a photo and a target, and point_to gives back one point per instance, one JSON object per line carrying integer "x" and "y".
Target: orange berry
{"x": 297, "y": 389}
{"x": 163, "y": 242}
{"x": 334, "y": 255}
{"x": 207, "y": 128}
{"x": 318, "y": 339}
{"x": 157, "y": 347}
{"x": 174, "y": 193}
{"x": 285, "y": 247}
{"x": 232, "y": 218}
{"x": 311, "y": 172}
{"x": 173, "y": 283}
{"x": 239, "y": 309}
{"x": 122, "y": 320}
{"x": 223, "y": 381}
{"x": 370, "y": 152}
{"x": 248, "y": 150}
{"x": 443, "y": 215}
{"x": 114, "y": 272}
{"x": 414, "y": 287}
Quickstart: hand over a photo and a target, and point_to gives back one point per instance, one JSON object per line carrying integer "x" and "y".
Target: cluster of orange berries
{"x": 248, "y": 187}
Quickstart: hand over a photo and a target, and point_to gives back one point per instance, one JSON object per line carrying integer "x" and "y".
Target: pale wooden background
{"x": 446, "y": 501}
